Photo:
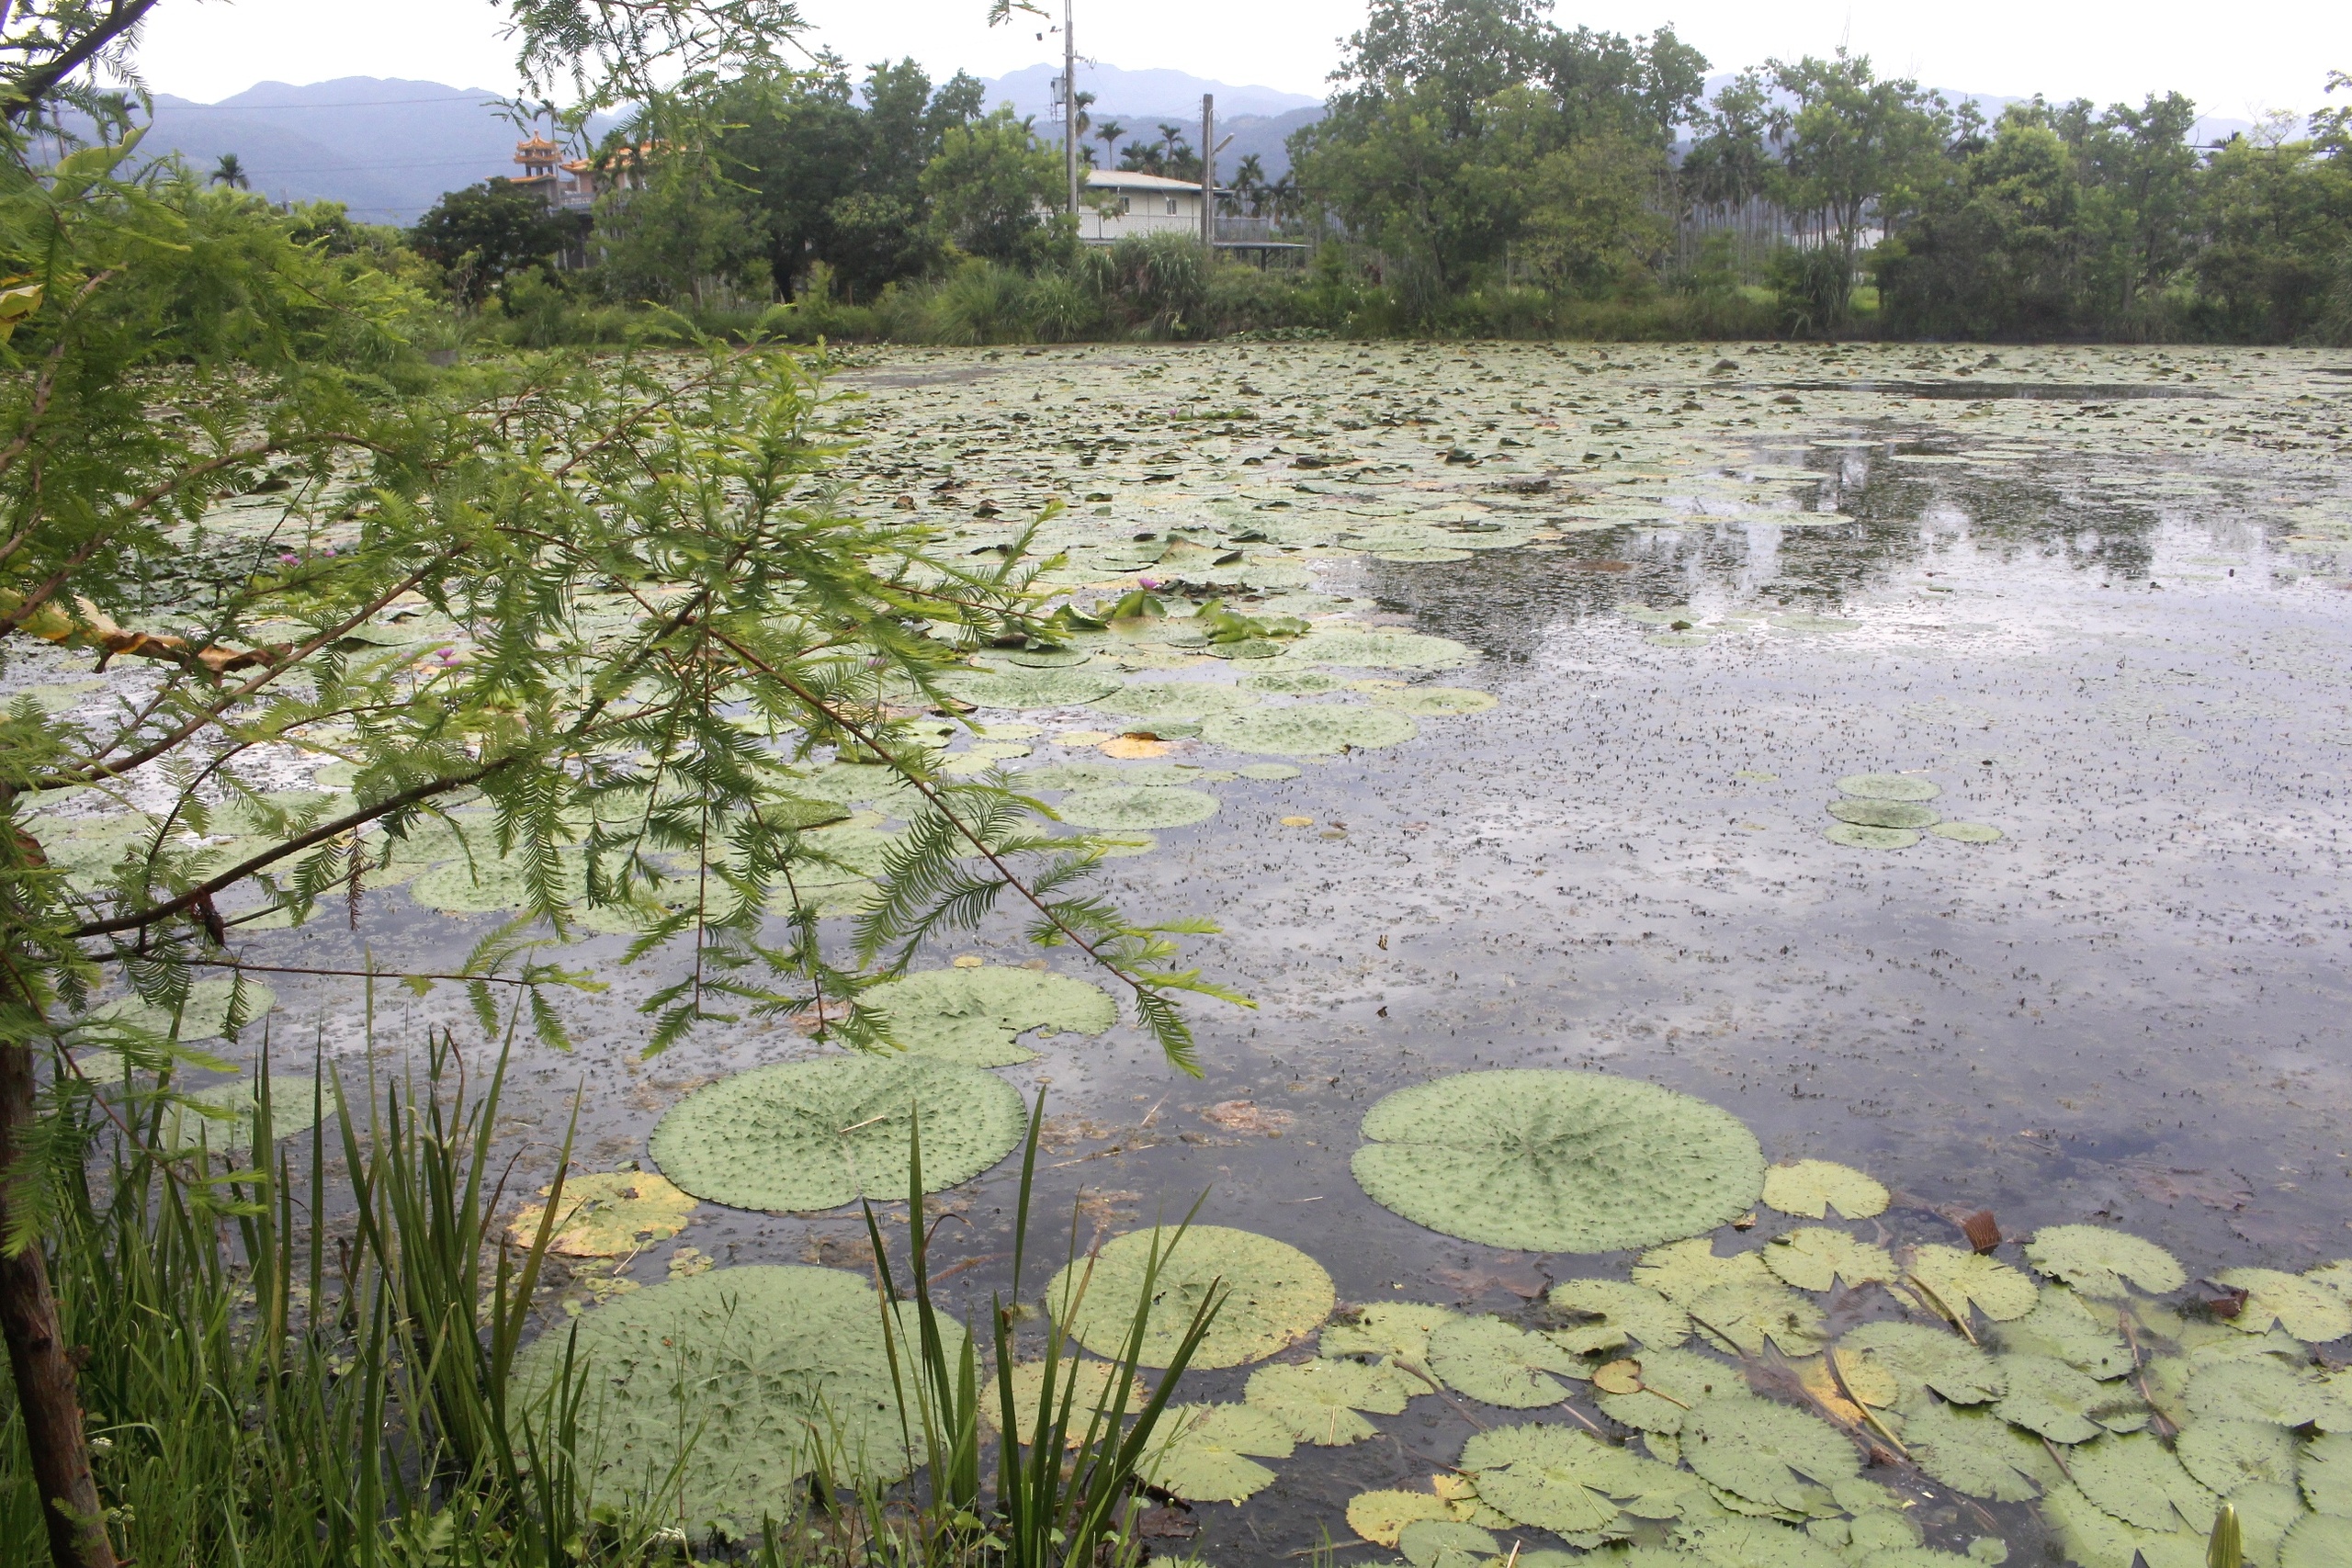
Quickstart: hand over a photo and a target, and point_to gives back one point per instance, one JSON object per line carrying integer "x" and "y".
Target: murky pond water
{"x": 2097, "y": 597}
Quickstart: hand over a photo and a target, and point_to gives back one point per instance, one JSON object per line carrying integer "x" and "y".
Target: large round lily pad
{"x": 1148, "y": 805}
{"x": 1029, "y": 688}
{"x": 604, "y": 1215}
{"x": 1381, "y": 650}
{"x": 1174, "y": 699}
{"x": 1276, "y": 1294}
{"x": 293, "y": 1108}
{"x": 756, "y": 1368}
{"x": 973, "y": 1016}
{"x": 804, "y": 1135}
{"x": 1557, "y": 1161}
{"x": 1884, "y": 813}
{"x": 1887, "y": 787}
{"x": 1307, "y": 729}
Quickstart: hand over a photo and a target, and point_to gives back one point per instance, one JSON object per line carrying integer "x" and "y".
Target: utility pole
{"x": 1069, "y": 106}
{"x": 1208, "y": 172}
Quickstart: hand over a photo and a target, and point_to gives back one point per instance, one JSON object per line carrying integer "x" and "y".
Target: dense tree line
{"x": 1480, "y": 168}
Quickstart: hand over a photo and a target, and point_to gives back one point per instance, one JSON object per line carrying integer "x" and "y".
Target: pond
{"x": 1934, "y": 757}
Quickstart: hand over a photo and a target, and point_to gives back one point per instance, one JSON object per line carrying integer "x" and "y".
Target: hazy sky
{"x": 2234, "y": 63}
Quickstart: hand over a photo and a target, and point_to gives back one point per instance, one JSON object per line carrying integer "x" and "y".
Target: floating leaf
{"x": 2319, "y": 1540}
{"x": 2227, "y": 1455}
{"x": 1380, "y": 1516}
{"x": 1209, "y": 1453}
{"x": 755, "y": 1366}
{"x": 1381, "y": 650}
{"x": 2139, "y": 1480}
{"x": 1742, "y": 1317}
{"x": 1961, "y": 1280}
{"x": 606, "y": 1214}
{"x": 1673, "y": 1383}
{"x": 1728, "y": 1542}
{"x": 1296, "y": 684}
{"x": 1771, "y": 1455}
{"x": 2097, "y": 1261}
{"x": 973, "y": 1016}
{"x": 1887, "y": 787}
{"x": 1973, "y": 1451}
{"x": 1871, "y": 1384}
{"x": 2335, "y": 1276}
{"x": 1274, "y": 1294}
{"x": 1809, "y": 1188}
{"x": 2325, "y": 1473}
{"x": 1611, "y": 1311}
{"x": 1497, "y": 1363}
{"x": 1435, "y": 701}
{"x": 1931, "y": 1358}
{"x": 2307, "y": 1310}
{"x": 1445, "y": 1543}
{"x": 1855, "y": 835}
{"x": 1148, "y": 805}
{"x": 293, "y": 1108}
{"x": 1685, "y": 1271}
{"x": 1174, "y": 699}
{"x": 203, "y": 1016}
{"x": 1095, "y": 1382}
{"x": 2064, "y": 1325}
{"x": 2064, "y": 1405}
{"x": 1319, "y": 1400}
{"x": 1555, "y": 1160}
{"x": 1310, "y": 729}
{"x": 1968, "y": 832}
{"x": 1397, "y": 1329}
{"x": 2095, "y": 1539}
{"x": 1814, "y": 1258}
{"x": 1569, "y": 1482}
{"x": 1884, "y": 813}
{"x": 2258, "y": 1389}
{"x": 804, "y": 1135}
{"x": 1028, "y": 688}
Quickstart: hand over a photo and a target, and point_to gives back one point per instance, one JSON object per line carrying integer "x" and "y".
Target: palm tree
{"x": 1249, "y": 185}
{"x": 1169, "y": 136}
{"x": 231, "y": 171}
{"x": 1108, "y": 133}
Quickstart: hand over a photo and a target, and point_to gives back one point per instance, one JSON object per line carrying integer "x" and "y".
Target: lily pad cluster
{"x": 1889, "y": 811}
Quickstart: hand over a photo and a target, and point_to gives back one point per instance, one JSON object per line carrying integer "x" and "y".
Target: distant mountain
{"x": 1130, "y": 96}
{"x": 387, "y": 149}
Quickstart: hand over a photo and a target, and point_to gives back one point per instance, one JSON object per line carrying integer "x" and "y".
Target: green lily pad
{"x": 2094, "y": 1538}
{"x": 1973, "y": 1451}
{"x": 1435, "y": 701}
{"x": 1497, "y": 1363}
{"x": 1096, "y": 1385}
{"x": 1887, "y": 787}
{"x": 1609, "y": 1313}
{"x": 2097, "y": 1261}
{"x": 1392, "y": 1330}
{"x": 2138, "y": 1480}
{"x": 1557, "y": 1161}
{"x": 1814, "y": 1258}
{"x": 1267, "y": 773}
{"x": 1770, "y": 1454}
{"x": 1307, "y": 729}
{"x": 481, "y": 886}
{"x": 1968, "y": 832}
{"x": 1884, "y": 813}
{"x": 203, "y": 1016}
{"x": 1028, "y": 688}
{"x": 806, "y": 1135}
{"x": 1728, "y": 1542}
{"x": 2260, "y": 1388}
{"x": 1569, "y": 1482}
{"x": 292, "y": 1108}
{"x": 1381, "y": 650}
{"x": 606, "y": 1213}
{"x": 1276, "y": 1295}
{"x": 2066, "y": 1326}
{"x": 1685, "y": 1271}
{"x": 1149, "y": 805}
{"x": 1294, "y": 682}
{"x": 1674, "y": 1383}
{"x": 2227, "y": 1455}
{"x": 973, "y": 1016}
{"x": 1320, "y": 1401}
{"x": 2063, "y": 1404}
{"x": 1174, "y": 699}
{"x": 2320, "y": 1541}
{"x": 1742, "y": 1317}
{"x": 1811, "y": 1188}
{"x": 757, "y": 1367}
{"x": 1209, "y": 1453}
{"x": 2324, "y": 1472}
{"x": 1445, "y": 1543}
{"x": 1921, "y": 1358}
{"x": 1961, "y": 1280}
{"x": 1855, "y": 837}
{"x": 2307, "y": 1310}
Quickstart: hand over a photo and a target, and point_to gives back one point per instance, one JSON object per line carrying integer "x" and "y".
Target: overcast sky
{"x": 2275, "y": 56}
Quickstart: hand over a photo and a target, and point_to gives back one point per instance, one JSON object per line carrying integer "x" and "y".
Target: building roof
{"x": 1127, "y": 180}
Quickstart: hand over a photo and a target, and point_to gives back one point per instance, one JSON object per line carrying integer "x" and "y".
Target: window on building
{"x": 1171, "y": 207}
{"x": 1126, "y": 205}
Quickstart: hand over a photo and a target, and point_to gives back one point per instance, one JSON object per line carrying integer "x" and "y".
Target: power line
{"x": 343, "y": 104}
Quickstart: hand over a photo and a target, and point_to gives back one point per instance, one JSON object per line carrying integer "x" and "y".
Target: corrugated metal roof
{"x": 1123, "y": 179}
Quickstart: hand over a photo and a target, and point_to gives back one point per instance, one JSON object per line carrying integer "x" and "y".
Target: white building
{"x": 1117, "y": 203}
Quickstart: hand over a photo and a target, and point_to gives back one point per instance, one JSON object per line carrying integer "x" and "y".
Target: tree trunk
{"x": 38, "y": 1360}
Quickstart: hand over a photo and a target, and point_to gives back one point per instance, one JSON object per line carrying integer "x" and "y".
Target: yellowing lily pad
{"x": 1381, "y": 1517}
{"x": 607, "y": 1213}
{"x": 1811, "y": 1188}
{"x": 1959, "y": 1280}
{"x": 1559, "y": 1161}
